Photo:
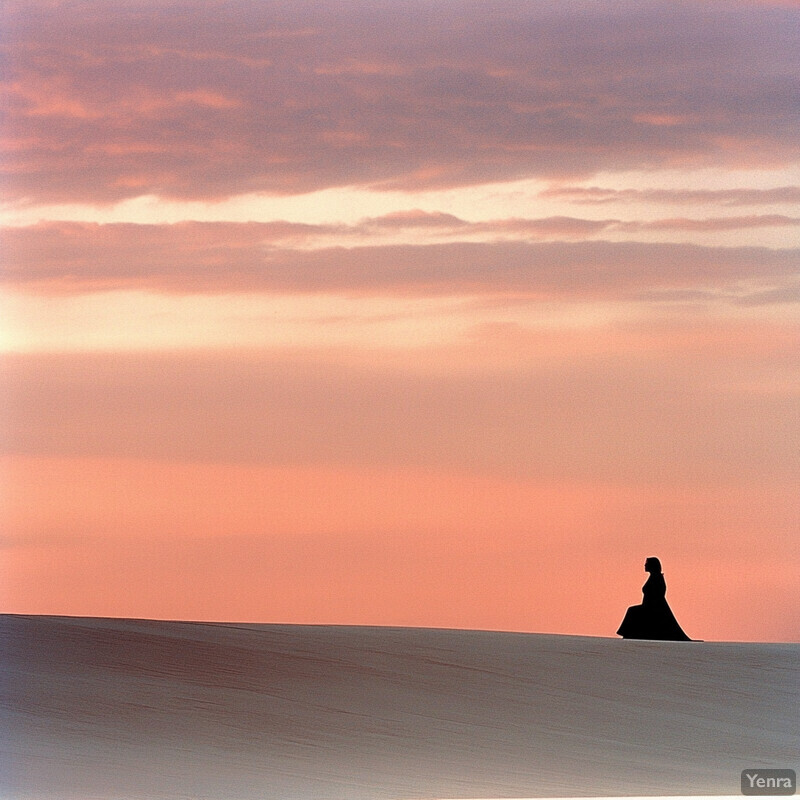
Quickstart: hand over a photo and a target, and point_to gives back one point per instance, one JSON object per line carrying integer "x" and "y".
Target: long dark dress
{"x": 653, "y": 619}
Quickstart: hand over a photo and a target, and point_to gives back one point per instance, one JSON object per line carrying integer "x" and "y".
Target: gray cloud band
{"x": 291, "y": 97}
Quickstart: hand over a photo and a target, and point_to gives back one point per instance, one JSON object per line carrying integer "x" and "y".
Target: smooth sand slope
{"x": 137, "y": 709}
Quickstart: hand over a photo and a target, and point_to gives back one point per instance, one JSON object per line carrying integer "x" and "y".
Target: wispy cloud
{"x": 710, "y": 225}
{"x": 414, "y": 218}
{"x": 596, "y": 195}
{"x": 131, "y": 101}
{"x": 563, "y": 227}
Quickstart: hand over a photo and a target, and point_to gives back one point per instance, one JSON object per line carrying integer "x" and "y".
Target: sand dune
{"x": 102, "y": 708}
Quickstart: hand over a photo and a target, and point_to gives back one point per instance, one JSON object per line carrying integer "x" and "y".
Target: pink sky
{"x": 414, "y": 314}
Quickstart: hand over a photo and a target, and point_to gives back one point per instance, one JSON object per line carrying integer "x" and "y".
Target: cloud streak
{"x": 132, "y": 101}
{"x": 232, "y": 257}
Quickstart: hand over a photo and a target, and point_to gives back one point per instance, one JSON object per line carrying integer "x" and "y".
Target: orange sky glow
{"x": 451, "y": 324}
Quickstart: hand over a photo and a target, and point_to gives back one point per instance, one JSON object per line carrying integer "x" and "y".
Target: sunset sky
{"x": 414, "y": 312}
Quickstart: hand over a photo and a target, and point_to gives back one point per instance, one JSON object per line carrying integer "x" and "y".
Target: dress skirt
{"x": 651, "y": 621}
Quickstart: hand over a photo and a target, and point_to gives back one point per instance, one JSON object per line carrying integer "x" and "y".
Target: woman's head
{"x": 652, "y": 565}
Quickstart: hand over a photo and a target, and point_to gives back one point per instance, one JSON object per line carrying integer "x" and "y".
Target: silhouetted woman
{"x": 653, "y": 619}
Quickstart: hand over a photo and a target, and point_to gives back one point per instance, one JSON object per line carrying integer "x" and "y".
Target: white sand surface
{"x": 102, "y": 708}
